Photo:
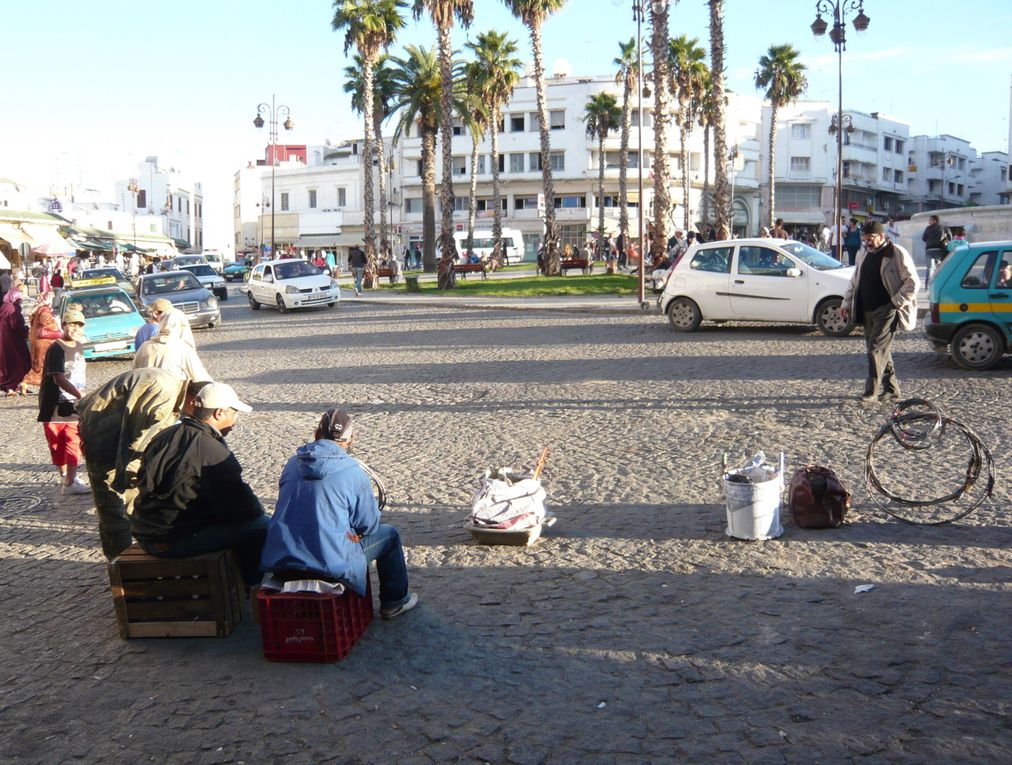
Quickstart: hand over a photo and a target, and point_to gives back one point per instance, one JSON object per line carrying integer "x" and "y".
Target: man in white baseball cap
{"x": 192, "y": 498}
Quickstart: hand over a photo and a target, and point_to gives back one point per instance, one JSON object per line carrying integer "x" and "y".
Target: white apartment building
{"x": 939, "y": 173}
{"x": 168, "y": 194}
{"x": 990, "y": 179}
{"x": 874, "y": 164}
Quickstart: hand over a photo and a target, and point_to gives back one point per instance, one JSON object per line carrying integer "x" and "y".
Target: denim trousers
{"x": 358, "y": 274}
{"x": 245, "y": 540}
{"x": 384, "y": 547}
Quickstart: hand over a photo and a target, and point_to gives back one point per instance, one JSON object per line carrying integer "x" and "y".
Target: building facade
{"x": 169, "y": 195}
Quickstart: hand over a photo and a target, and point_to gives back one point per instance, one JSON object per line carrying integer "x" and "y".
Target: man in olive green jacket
{"x": 116, "y": 423}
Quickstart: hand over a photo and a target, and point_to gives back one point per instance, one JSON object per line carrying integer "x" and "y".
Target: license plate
{"x": 111, "y": 346}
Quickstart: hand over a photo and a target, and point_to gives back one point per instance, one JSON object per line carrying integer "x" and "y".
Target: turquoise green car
{"x": 971, "y": 305}
{"x": 112, "y": 319}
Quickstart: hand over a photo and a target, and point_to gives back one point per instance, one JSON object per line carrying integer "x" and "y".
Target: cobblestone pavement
{"x": 634, "y": 632}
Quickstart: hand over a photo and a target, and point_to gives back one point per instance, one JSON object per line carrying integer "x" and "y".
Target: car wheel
{"x": 331, "y": 305}
{"x": 829, "y": 319}
{"x": 253, "y": 302}
{"x": 282, "y": 308}
{"x": 684, "y": 315}
{"x": 976, "y": 346}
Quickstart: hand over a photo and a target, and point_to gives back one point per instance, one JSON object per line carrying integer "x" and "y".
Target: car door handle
{"x": 998, "y": 296}
{"x": 739, "y": 281}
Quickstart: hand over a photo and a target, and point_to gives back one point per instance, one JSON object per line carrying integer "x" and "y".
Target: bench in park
{"x": 387, "y": 272}
{"x": 471, "y": 268}
{"x": 587, "y": 266}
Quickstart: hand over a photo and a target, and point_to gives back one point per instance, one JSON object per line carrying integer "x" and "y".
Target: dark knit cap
{"x": 872, "y": 227}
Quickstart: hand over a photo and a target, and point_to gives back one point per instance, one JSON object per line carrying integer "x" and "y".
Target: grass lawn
{"x": 535, "y": 286}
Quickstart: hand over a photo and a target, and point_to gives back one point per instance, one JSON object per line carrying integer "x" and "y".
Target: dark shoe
{"x": 390, "y": 613}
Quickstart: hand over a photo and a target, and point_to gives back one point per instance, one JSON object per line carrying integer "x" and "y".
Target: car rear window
{"x": 201, "y": 270}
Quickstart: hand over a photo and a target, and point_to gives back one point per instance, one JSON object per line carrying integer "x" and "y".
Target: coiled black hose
{"x": 916, "y": 424}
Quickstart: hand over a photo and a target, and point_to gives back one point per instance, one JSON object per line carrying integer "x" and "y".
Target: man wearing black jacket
{"x": 192, "y": 499}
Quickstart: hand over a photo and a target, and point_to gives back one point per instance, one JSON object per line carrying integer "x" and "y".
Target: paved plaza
{"x": 634, "y": 632}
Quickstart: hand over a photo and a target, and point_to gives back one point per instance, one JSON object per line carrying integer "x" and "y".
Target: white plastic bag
{"x": 508, "y": 501}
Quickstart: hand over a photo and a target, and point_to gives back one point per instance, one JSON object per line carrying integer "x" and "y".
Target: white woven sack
{"x": 499, "y": 504}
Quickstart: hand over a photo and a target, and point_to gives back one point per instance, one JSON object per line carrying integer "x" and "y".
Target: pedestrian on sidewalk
{"x": 15, "y": 359}
{"x": 43, "y": 330}
{"x": 357, "y": 261}
{"x": 935, "y": 237}
{"x": 882, "y": 296}
{"x": 326, "y": 523}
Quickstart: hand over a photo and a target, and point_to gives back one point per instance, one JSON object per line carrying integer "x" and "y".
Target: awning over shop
{"x": 338, "y": 239}
{"x": 47, "y": 240}
{"x": 14, "y": 235}
{"x": 182, "y": 244}
{"x": 809, "y": 217}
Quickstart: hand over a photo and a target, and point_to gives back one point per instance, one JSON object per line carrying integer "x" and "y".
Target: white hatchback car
{"x": 288, "y": 284}
{"x": 774, "y": 280}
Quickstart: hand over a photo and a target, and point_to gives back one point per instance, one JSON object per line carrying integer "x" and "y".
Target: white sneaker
{"x": 76, "y": 488}
{"x": 390, "y": 613}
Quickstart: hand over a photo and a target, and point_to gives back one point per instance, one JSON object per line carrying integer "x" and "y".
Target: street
{"x": 635, "y": 631}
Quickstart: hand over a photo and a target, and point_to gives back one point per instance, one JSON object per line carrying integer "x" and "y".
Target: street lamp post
{"x": 732, "y": 156}
{"x": 133, "y": 188}
{"x": 273, "y": 112}
{"x": 838, "y": 9}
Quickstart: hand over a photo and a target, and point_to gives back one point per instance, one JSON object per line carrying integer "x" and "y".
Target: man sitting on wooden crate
{"x": 327, "y": 521}
{"x": 192, "y": 499}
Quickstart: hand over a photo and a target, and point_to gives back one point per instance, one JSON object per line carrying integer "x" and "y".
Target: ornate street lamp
{"x": 134, "y": 189}
{"x": 273, "y": 112}
{"x": 839, "y": 9}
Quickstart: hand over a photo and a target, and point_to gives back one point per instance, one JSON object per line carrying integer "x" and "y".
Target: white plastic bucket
{"x": 753, "y": 509}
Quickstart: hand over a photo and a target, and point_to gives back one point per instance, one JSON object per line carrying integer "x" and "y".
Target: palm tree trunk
{"x": 472, "y": 197}
{"x": 429, "y": 200}
{"x": 706, "y": 177}
{"x": 600, "y": 186}
{"x": 368, "y": 224}
{"x": 496, "y": 191}
{"x": 552, "y": 262}
{"x": 722, "y": 190}
{"x": 662, "y": 192}
{"x": 623, "y": 170}
{"x": 447, "y": 247}
{"x": 771, "y": 198}
{"x": 683, "y": 137}
{"x": 381, "y": 163}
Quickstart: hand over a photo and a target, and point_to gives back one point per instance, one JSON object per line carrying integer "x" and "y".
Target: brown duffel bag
{"x": 817, "y": 499}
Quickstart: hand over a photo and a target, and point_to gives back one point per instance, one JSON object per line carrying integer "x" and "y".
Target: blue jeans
{"x": 245, "y": 540}
{"x": 358, "y": 273}
{"x": 384, "y": 547}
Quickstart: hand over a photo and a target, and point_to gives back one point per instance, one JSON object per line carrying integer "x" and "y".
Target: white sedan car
{"x": 290, "y": 283}
{"x": 773, "y": 280}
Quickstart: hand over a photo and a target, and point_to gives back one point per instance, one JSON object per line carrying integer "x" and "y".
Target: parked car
{"x": 237, "y": 270}
{"x": 91, "y": 277}
{"x": 173, "y": 264}
{"x": 288, "y": 284}
{"x": 773, "y": 280}
{"x": 183, "y": 290}
{"x": 113, "y": 319}
{"x": 209, "y": 278}
{"x": 214, "y": 260}
{"x": 971, "y": 305}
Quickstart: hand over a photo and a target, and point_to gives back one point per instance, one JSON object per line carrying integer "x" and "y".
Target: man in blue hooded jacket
{"x": 327, "y": 522}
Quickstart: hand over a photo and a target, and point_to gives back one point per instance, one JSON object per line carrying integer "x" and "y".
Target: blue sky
{"x": 101, "y": 85}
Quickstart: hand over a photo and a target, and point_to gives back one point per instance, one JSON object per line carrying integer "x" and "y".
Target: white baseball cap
{"x": 220, "y": 396}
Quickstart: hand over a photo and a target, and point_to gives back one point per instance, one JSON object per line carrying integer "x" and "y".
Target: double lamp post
{"x": 274, "y": 112}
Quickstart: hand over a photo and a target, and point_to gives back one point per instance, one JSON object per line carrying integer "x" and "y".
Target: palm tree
{"x": 602, "y": 116}
{"x": 369, "y": 26}
{"x": 705, "y": 115}
{"x": 443, "y": 12}
{"x": 687, "y": 80}
{"x": 721, "y": 190}
{"x": 662, "y": 193}
{"x": 418, "y": 93}
{"x": 783, "y": 76}
{"x": 382, "y": 97}
{"x": 628, "y": 74}
{"x": 496, "y": 73}
{"x": 533, "y": 14}
{"x": 476, "y": 119}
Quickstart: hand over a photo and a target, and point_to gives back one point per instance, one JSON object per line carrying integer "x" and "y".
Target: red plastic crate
{"x": 307, "y": 626}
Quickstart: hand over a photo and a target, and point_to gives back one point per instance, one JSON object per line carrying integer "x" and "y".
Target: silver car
{"x": 209, "y": 278}
{"x": 183, "y": 290}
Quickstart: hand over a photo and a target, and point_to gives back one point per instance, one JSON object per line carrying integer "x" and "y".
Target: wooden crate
{"x": 175, "y": 597}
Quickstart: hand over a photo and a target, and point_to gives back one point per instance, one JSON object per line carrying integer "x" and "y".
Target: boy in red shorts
{"x": 62, "y": 382}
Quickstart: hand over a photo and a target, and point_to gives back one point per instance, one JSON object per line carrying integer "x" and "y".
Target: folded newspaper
{"x": 274, "y": 583}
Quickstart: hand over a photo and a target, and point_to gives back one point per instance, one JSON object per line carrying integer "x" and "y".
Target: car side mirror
{"x": 794, "y": 273}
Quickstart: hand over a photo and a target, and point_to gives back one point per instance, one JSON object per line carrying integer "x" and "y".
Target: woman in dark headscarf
{"x": 15, "y": 360}
{"x": 43, "y": 329}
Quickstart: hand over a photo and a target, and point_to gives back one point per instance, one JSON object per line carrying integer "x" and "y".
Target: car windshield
{"x": 295, "y": 269}
{"x": 201, "y": 270}
{"x": 101, "y": 273}
{"x": 103, "y": 304}
{"x": 820, "y": 261}
{"x": 162, "y": 283}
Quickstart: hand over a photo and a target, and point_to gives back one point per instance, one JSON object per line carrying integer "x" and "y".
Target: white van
{"x": 512, "y": 244}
